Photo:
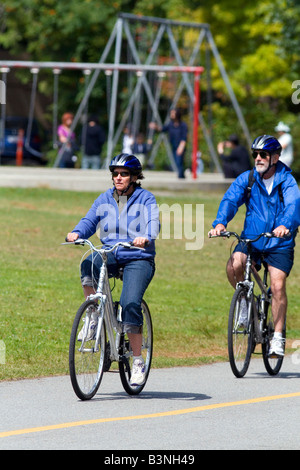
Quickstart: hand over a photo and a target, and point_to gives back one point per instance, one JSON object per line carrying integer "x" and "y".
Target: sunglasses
{"x": 262, "y": 154}
{"x": 122, "y": 173}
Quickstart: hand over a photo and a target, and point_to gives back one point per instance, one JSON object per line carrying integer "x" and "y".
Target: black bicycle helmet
{"x": 128, "y": 161}
{"x": 267, "y": 143}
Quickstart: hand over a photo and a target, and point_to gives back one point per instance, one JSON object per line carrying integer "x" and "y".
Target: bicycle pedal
{"x": 275, "y": 356}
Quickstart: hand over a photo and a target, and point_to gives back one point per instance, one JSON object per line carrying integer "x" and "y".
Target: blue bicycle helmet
{"x": 267, "y": 143}
{"x": 128, "y": 161}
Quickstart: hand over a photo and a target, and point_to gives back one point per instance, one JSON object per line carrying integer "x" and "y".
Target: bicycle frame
{"x": 106, "y": 306}
{"x": 265, "y": 296}
{"x": 259, "y": 320}
{"x": 106, "y": 311}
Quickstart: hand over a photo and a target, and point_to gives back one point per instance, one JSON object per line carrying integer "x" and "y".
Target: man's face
{"x": 263, "y": 160}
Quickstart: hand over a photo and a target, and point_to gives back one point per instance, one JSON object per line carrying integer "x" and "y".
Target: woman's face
{"x": 122, "y": 178}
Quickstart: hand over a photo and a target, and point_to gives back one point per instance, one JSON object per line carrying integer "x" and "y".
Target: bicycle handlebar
{"x": 83, "y": 241}
{"x": 247, "y": 240}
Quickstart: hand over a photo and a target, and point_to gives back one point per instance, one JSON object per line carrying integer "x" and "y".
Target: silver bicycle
{"x": 90, "y": 356}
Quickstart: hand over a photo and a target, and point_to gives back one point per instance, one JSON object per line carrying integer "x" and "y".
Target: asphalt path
{"x": 180, "y": 409}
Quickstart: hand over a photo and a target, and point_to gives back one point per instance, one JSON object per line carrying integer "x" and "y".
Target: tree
{"x": 258, "y": 43}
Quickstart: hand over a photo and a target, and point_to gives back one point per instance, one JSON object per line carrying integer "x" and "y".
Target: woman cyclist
{"x": 126, "y": 213}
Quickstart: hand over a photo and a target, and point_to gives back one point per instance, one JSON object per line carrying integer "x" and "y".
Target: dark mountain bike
{"x": 250, "y": 316}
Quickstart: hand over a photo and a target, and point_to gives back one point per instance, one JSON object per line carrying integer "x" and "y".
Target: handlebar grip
{"x": 225, "y": 234}
{"x": 222, "y": 234}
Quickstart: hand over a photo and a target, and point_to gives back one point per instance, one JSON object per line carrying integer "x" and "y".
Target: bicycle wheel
{"x": 86, "y": 359}
{"x": 272, "y": 363}
{"x": 125, "y": 363}
{"x": 240, "y": 336}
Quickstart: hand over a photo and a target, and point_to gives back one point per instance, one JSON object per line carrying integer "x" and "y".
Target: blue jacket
{"x": 138, "y": 218}
{"x": 264, "y": 212}
{"x": 177, "y": 133}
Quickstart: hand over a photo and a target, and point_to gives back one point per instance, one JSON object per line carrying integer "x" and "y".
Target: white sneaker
{"x": 91, "y": 333}
{"x": 138, "y": 372}
{"x": 243, "y": 316}
{"x": 277, "y": 347}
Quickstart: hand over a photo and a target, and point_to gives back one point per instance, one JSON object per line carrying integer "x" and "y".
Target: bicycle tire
{"x": 86, "y": 367}
{"x": 125, "y": 362}
{"x": 240, "y": 338}
{"x": 272, "y": 364}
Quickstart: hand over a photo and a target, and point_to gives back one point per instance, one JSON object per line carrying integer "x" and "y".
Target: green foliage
{"x": 258, "y": 42}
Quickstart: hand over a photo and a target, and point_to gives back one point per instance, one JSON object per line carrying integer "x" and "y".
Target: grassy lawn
{"x": 40, "y": 292}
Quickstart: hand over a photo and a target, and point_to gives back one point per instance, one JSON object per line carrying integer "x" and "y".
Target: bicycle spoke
{"x": 147, "y": 344}
{"x": 272, "y": 364}
{"x": 86, "y": 358}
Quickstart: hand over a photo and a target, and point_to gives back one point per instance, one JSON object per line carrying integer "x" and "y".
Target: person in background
{"x": 93, "y": 138}
{"x": 237, "y": 161}
{"x": 66, "y": 141}
{"x": 178, "y": 133}
{"x": 140, "y": 148}
{"x": 286, "y": 142}
{"x": 128, "y": 139}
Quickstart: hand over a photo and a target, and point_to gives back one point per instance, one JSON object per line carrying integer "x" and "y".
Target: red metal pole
{"x": 196, "y": 122}
{"x": 19, "y": 151}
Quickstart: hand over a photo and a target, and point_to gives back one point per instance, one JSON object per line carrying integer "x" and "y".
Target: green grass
{"x": 40, "y": 292}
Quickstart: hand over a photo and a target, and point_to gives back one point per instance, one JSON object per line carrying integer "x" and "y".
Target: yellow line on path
{"x": 146, "y": 416}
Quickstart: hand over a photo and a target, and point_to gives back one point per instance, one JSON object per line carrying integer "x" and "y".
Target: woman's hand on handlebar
{"x": 140, "y": 242}
{"x": 71, "y": 237}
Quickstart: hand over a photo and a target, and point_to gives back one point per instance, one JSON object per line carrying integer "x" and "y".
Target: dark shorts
{"x": 283, "y": 259}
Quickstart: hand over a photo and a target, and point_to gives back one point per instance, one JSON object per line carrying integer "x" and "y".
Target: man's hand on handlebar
{"x": 281, "y": 231}
{"x": 216, "y": 232}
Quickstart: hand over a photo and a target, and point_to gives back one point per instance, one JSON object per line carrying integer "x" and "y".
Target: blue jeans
{"x": 137, "y": 275}
{"x": 179, "y": 160}
{"x": 91, "y": 161}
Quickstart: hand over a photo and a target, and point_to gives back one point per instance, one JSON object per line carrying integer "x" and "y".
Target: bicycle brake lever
{"x": 79, "y": 241}
{"x": 225, "y": 234}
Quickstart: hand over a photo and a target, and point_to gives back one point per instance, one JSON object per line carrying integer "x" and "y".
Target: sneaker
{"x": 91, "y": 334}
{"x": 138, "y": 372}
{"x": 243, "y": 316}
{"x": 277, "y": 347}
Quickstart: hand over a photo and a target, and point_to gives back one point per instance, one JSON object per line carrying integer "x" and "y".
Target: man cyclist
{"x": 273, "y": 205}
{"x": 126, "y": 213}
